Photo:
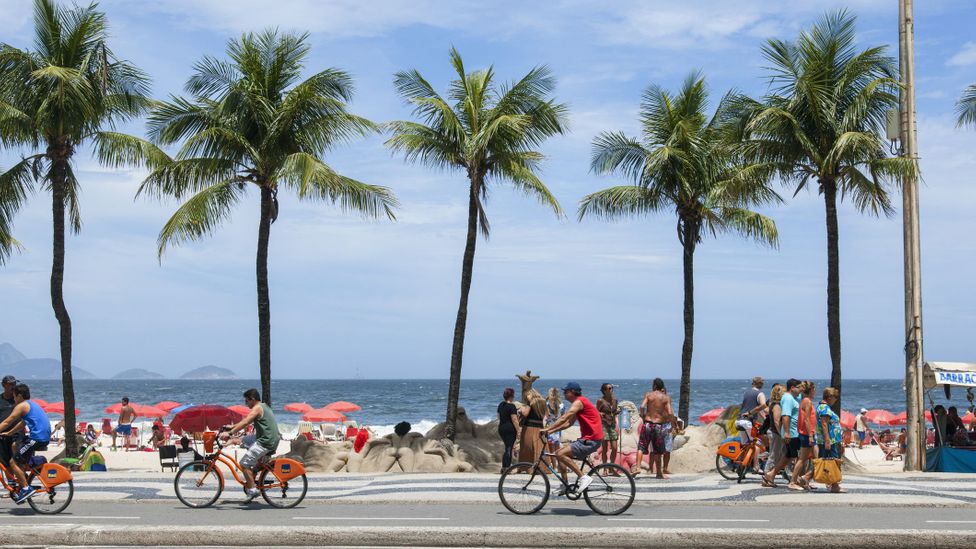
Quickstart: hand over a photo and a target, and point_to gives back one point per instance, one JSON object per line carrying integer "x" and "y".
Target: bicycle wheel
{"x": 726, "y": 467}
{"x": 198, "y": 484}
{"x": 285, "y": 496}
{"x": 524, "y": 488}
{"x": 55, "y": 500}
{"x": 612, "y": 490}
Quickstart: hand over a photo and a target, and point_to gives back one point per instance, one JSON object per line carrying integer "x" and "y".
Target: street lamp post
{"x": 915, "y": 455}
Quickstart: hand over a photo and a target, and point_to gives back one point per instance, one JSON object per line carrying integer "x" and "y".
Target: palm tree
{"x": 823, "y": 121}
{"x": 685, "y": 163}
{"x": 966, "y": 108}
{"x": 488, "y": 132}
{"x": 54, "y": 99}
{"x": 251, "y": 122}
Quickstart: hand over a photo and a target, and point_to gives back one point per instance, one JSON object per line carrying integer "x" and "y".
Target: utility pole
{"x": 915, "y": 455}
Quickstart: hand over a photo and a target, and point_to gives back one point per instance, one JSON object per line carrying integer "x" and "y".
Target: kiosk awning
{"x": 949, "y": 373}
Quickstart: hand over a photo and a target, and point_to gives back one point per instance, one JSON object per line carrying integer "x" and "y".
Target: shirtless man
{"x": 659, "y": 420}
{"x": 126, "y": 416}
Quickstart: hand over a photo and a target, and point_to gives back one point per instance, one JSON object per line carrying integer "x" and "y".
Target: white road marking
{"x": 685, "y": 520}
{"x": 372, "y": 518}
{"x": 79, "y": 517}
{"x": 951, "y": 521}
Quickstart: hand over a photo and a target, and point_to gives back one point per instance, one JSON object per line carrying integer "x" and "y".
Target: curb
{"x": 78, "y": 535}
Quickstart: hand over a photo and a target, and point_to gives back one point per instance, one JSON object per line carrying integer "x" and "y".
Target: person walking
{"x": 777, "y": 449}
{"x": 788, "y": 421}
{"x": 861, "y": 427}
{"x": 609, "y": 411}
{"x": 830, "y": 434}
{"x": 659, "y": 421}
{"x": 508, "y": 425}
{"x": 807, "y": 429}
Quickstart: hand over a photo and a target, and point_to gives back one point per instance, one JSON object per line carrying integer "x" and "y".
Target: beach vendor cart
{"x": 949, "y": 376}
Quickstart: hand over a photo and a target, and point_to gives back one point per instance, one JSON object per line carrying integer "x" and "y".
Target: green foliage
{"x": 825, "y": 117}
{"x": 249, "y": 120}
{"x": 486, "y": 130}
{"x": 683, "y": 162}
{"x": 56, "y": 97}
{"x": 966, "y": 108}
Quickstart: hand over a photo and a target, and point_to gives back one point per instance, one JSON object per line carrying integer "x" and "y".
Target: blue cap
{"x": 573, "y": 386}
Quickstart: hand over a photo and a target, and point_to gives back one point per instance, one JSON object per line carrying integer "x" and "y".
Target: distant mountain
{"x": 9, "y": 354}
{"x": 42, "y": 368}
{"x": 209, "y": 372}
{"x": 138, "y": 373}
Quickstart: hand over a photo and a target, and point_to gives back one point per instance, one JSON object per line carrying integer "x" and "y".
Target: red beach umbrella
{"x": 298, "y": 407}
{"x": 167, "y": 405}
{"x": 196, "y": 419}
{"x": 323, "y": 415}
{"x": 710, "y": 416}
{"x": 240, "y": 409}
{"x": 149, "y": 411}
{"x": 900, "y": 419}
{"x": 847, "y": 419}
{"x": 40, "y": 402}
{"x": 880, "y": 417}
{"x": 57, "y": 408}
{"x": 968, "y": 418}
{"x": 344, "y": 407}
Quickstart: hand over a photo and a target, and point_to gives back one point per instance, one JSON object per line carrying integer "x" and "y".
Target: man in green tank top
{"x": 268, "y": 437}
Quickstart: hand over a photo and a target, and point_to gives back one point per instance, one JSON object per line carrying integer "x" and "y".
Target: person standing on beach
{"x": 554, "y": 410}
{"x": 124, "y": 428}
{"x": 609, "y": 411}
{"x": 807, "y": 429}
{"x": 789, "y": 420}
{"x": 508, "y": 426}
{"x": 659, "y": 420}
{"x": 266, "y": 442}
{"x": 861, "y": 428}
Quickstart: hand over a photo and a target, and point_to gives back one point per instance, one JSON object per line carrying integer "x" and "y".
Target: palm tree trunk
{"x": 59, "y": 175}
{"x": 467, "y": 267}
{"x": 833, "y": 287}
{"x": 689, "y": 241}
{"x": 264, "y": 298}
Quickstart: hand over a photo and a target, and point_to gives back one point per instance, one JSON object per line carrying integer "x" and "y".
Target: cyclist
{"x": 751, "y": 412}
{"x": 591, "y": 435}
{"x": 7, "y": 403}
{"x": 266, "y": 442}
{"x": 30, "y": 414}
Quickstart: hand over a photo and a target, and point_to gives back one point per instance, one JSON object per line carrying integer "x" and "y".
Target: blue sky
{"x": 563, "y": 298}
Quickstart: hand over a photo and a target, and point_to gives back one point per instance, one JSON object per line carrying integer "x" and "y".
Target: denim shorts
{"x": 806, "y": 441}
{"x": 582, "y": 448}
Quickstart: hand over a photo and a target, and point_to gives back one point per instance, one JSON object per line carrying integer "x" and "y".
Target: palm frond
{"x": 200, "y": 215}
{"x": 966, "y": 108}
{"x": 620, "y": 201}
{"x": 749, "y": 224}
{"x": 119, "y": 150}
{"x": 313, "y": 179}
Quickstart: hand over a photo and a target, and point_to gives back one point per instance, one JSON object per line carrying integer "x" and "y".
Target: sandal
{"x": 768, "y": 483}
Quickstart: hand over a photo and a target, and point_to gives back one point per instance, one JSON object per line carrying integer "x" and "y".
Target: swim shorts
{"x": 123, "y": 429}
{"x": 806, "y": 441}
{"x": 792, "y": 448}
{"x": 26, "y": 449}
{"x": 610, "y": 431}
{"x": 655, "y": 438}
{"x": 582, "y": 448}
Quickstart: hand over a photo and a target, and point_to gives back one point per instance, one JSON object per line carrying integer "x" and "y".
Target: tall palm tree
{"x": 53, "y": 99}
{"x": 683, "y": 162}
{"x": 250, "y": 122}
{"x": 966, "y": 108}
{"x": 489, "y": 133}
{"x": 824, "y": 121}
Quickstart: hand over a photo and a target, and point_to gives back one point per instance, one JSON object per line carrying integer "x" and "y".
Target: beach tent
{"x": 947, "y": 375}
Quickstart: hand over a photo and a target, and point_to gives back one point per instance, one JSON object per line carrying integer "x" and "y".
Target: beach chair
{"x": 167, "y": 457}
{"x": 305, "y": 427}
{"x": 328, "y": 432}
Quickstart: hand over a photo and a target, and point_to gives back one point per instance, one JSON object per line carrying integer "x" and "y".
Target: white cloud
{"x": 965, "y": 56}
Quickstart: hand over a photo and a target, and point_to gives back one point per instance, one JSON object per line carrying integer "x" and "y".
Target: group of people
{"x": 799, "y": 431}
{"x": 599, "y": 425}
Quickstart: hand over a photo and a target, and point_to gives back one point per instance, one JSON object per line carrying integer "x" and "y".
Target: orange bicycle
{"x": 734, "y": 461}
{"x": 56, "y": 486}
{"x": 281, "y": 481}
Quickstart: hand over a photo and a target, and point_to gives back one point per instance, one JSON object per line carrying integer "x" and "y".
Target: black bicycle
{"x": 524, "y": 487}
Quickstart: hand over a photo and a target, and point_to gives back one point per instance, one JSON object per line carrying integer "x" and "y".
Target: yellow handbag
{"x": 827, "y": 471}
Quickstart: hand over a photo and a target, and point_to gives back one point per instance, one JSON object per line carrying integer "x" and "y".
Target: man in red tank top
{"x": 591, "y": 434}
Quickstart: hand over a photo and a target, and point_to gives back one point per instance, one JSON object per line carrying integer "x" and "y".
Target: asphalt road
{"x": 557, "y": 514}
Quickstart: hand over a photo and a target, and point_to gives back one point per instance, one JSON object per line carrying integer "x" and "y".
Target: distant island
{"x": 14, "y": 362}
{"x": 138, "y": 373}
{"x": 209, "y": 372}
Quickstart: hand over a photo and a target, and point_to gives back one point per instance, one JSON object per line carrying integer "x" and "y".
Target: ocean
{"x": 423, "y": 402}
